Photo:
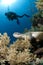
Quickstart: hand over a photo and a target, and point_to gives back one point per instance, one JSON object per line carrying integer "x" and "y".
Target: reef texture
{"x": 17, "y": 53}
{"x": 37, "y": 19}
{"x": 39, "y": 4}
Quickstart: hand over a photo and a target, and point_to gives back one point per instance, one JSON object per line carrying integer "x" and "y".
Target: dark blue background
{"x": 20, "y": 7}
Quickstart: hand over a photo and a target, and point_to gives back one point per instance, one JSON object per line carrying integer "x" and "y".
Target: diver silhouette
{"x": 12, "y": 15}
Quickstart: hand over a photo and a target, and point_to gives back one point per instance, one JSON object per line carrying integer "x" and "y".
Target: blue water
{"x": 20, "y": 7}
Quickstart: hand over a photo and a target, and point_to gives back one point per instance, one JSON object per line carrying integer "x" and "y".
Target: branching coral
{"x": 22, "y": 44}
{"x": 17, "y": 53}
{"x": 4, "y": 41}
{"x": 24, "y": 56}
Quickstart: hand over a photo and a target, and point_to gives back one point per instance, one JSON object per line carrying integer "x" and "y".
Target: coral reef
{"x": 35, "y": 29}
{"x": 37, "y": 19}
{"x": 4, "y": 41}
{"x": 17, "y": 53}
{"x": 39, "y": 4}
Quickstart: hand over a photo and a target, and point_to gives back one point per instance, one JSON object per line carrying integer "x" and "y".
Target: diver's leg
{"x": 18, "y": 21}
{"x": 26, "y": 15}
{"x": 23, "y": 16}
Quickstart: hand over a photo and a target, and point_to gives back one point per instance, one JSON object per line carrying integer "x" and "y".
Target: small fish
{"x": 13, "y": 16}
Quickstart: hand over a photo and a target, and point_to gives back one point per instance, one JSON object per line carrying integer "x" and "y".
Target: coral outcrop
{"x": 37, "y": 19}
{"x": 17, "y": 53}
{"x": 39, "y": 4}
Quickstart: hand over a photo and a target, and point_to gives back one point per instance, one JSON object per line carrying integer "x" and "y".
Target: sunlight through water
{"x": 7, "y": 2}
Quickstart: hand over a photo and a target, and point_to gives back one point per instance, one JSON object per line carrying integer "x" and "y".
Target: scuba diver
{"x": 13, "y": 15}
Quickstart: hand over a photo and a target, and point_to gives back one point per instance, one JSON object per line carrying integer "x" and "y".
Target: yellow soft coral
{"x": 4, "y": 41}
{"x": 17, "y": 52}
